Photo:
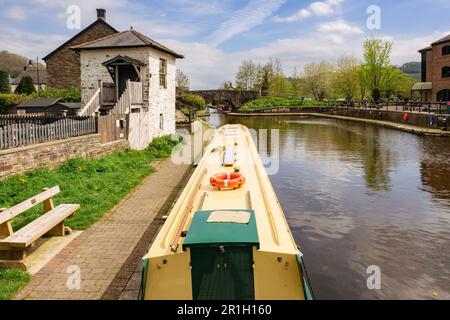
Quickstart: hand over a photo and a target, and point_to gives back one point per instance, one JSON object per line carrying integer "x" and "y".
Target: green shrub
{"x": 162, "y": 147}
{"x": 4, "y": 82}
{"x": 9, "y": 99}
{"x": 26, "y": 86}
{"x": 67, "y": 95}
{"x": 193, "y": 100}
{"x": 269, "y": 102}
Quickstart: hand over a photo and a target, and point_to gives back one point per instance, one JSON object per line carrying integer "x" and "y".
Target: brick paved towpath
{"x": 109, "y": 253}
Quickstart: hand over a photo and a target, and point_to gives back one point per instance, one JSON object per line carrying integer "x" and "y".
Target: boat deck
{"x": 232, "y": 147}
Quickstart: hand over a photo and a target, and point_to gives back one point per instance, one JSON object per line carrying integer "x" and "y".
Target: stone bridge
{"x": 232, "y": 98}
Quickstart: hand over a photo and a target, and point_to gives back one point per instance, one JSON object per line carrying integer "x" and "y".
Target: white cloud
{"x": 208, "y": 66}
{"x": 339, "y": 26}
{"x": 319, "y": 8}
{"x": 245, "y": 19}
{"x": 29, "y": 44}
{"x": 16, "y": 13}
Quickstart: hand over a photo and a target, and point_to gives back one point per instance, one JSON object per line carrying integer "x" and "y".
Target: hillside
{"x": 414, "y": 69}
{"x": 14, "y": 63}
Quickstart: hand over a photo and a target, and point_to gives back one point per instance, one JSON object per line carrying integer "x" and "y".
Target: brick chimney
{"x": 101, "y": 14}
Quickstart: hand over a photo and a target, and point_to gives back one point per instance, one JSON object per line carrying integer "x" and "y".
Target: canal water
{"x": 359, "y": 195}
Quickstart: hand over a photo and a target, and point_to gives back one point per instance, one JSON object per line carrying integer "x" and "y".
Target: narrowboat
{"x": 226, "y": 237}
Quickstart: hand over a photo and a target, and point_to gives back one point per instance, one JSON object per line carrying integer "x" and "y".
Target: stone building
{"x": 113, "y": 65}
{"x": 435, "y": 85}
{"x": 63, "y": 64}
{"x": 39, "y": 78}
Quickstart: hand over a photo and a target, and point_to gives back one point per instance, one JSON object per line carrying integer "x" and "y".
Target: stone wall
{"x": 161, "y": 100}
{"x": 63, "y": 67}
{"x": 52, "y": 154}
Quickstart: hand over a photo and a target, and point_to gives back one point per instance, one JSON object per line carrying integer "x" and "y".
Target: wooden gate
{"x": 139, "y": 130}
{"x": 113, "y": 128}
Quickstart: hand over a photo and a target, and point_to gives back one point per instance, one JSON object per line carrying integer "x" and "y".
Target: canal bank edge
{"x": 388, "y": 124}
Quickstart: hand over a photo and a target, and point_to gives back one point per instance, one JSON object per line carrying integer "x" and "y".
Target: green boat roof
{"x": 203, "y": 233}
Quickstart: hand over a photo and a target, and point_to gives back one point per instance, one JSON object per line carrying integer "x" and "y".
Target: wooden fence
{"x": 23, "y": 133}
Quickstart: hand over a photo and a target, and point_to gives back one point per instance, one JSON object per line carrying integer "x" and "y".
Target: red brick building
{"x": 63, "y": 64}
{"x": 435, "y": 84}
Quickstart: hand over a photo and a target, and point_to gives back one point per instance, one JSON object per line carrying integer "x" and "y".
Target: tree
{"x": 377, "y": 55}
{"x": 318, "y": 79}
{"x": 226, "y": 85}
{"x": 247, "y": 77}
{"x": 280, "y": 87}
{"x": 26, "y": 86}
{"x": 346, "y": 77}
{"x": 363, "y": 81}
{"x": 297, "y": 84}
{"x": 4, "y": 82}
{"x": 266, "y": 76}
{"x": 182, "y": 80}
{"x": 396, "y": 83}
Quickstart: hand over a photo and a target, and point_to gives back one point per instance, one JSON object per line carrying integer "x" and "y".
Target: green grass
{"x": 268, "y": 102}
{"x": 97, "y": 185}
{"x": 11, "y": 281}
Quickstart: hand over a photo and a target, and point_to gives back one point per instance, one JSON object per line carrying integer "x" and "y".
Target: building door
{"x": 222, "y": 273}
{"x": 126, "y": 72}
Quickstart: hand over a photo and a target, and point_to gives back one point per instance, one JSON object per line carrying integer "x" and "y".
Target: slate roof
{"x": 126, "y": 39}
{"x": 92, "y": 25}
{"x": 39, "y": 103}
{"x": 120, "y": 58}
{"x": 445, "y": 39}
{"x": 33, "y": 74}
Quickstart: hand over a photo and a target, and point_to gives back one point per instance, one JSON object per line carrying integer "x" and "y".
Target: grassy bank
{"x": 268, "y": 103}
{"x": 11, "y": 281}
{"x": 97, "y": 185}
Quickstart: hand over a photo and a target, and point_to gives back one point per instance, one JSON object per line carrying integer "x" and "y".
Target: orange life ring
{"x": 227, "y": 181}
{"x": 405, "y": 117}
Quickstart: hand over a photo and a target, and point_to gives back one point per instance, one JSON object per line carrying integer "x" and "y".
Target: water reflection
{"x": 358, "y": 195}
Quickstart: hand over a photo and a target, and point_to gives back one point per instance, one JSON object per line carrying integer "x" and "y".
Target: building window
{"x": 446, "y": 50}
{"x": 443, "y": 95}
{"x": 161, "y": 121}
{"x": 424, "y": 67}
{"x": 446, "y": 72}
{"x": 163, "y": 73}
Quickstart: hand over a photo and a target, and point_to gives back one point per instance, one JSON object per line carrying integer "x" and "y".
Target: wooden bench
{"x": 13, "y": 245}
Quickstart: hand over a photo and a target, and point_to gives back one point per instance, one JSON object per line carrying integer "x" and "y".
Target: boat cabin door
{"x": 222, "y": 273}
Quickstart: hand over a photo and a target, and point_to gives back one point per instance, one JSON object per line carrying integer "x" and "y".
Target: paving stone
{"x": 106, "y": 253}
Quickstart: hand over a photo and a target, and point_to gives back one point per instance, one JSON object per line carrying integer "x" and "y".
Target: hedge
{"x": 8, "y": 99}
{"x": 67, "y": 94}
{"x": 268, "y": 102}
{"x": 193, "y": 100}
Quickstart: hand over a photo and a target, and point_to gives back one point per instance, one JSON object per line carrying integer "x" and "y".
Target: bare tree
{"x": 248, "y": 75}
{"x": 182, "y": 80}
{"x": 318, "y": 79}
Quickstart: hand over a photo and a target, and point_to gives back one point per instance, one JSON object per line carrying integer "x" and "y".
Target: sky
{"x": 217, "y": 35}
